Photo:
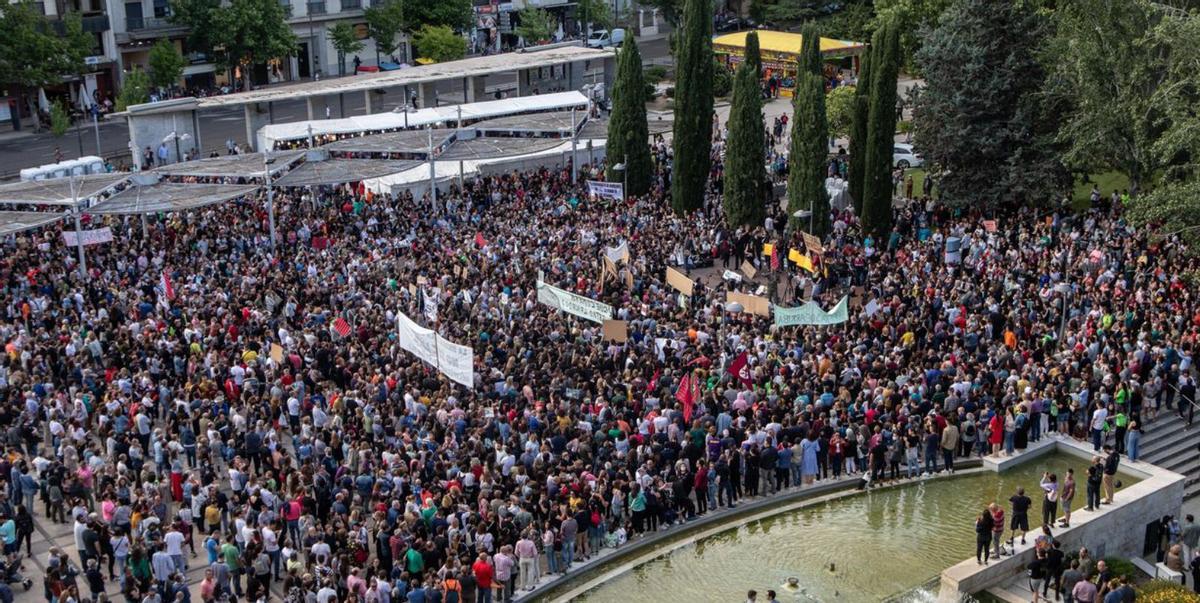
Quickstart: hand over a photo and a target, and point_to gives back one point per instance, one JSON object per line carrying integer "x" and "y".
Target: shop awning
{"x": 776, "y": 43}
{"x": 18, "y": 221}
{"x": 169, "y": 197}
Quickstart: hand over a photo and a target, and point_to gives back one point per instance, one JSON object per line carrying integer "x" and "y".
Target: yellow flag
{"x": 768, "y": 248}
{"x": 794, "y": 255}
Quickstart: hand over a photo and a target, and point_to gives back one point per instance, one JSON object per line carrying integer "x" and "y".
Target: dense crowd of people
{"x": 189, "y": 401}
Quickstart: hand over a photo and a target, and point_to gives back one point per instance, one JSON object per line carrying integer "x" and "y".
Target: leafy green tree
{"x": 455, "y": 14}
{"x": 809, "y": 149}
{"x": 628, "y": 132}
{"x": 252, "y": 32}
{"x": 60, "y": 120}
{"x": 536, "y": 26}
{"x": 200, "y": 18}
{"x": 693, "y": 108}
{"x": 594, "y": 14}
{"x": 853, "y": 23}
{"x": 881, "y": 131}
{"x": 722, "y": 79}
{"x": 166, "y": 64}
{"x": 385, "y": 20}
{"x": 858, "y": 132}
{"x": 1174, "y": 202}
{"x": 911, "y": 18}
{"x": 135, "y": 90}
{"x": 839, "y": 110}
{"x": 745, "y": 154}
{"x": 345, "y": 41}
{"x": 32, "y": 54}
{"x": 1110, "y": 61}
{"x": 980, "y": 118}
{"x": 440, "y": 43}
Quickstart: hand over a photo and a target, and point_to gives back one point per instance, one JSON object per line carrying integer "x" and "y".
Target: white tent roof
{"x": 338, "y": 171}
{"x": 449, "y": 170}
{"x": 17, "y": 221}
{"x": 270, "y": 134}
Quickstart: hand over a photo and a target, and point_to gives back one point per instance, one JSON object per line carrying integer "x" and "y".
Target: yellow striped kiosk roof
{"x": 783, "y": 43}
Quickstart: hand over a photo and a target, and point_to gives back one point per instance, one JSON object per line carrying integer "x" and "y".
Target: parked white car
{"x": 903, "y": 156}
{"x": 604, "y": 39}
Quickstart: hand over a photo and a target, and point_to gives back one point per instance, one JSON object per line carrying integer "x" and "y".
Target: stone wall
{"x": 1118, "y": 529}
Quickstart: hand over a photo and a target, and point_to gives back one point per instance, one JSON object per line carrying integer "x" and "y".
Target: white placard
{"x": 577, "y": 305}
{"x": 607, "y": 190}
{"x": 87, "y": 237}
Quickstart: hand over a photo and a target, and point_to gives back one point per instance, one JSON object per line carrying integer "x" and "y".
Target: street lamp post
{"x": 403, "y": 109}
{"x": 267, "y": 161}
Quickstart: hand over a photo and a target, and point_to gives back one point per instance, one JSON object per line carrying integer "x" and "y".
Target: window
{"x": 316, "y": 8}
{"x": 162, "y": 9}
{"x": 287, "y": 7}
{"x": 351, "y": 4}
{"x": 133, "y": 16}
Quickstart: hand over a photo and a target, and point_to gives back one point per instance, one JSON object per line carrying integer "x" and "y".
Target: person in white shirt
{"x": 173, "y": 540}
{"x": 1099, "y": 419}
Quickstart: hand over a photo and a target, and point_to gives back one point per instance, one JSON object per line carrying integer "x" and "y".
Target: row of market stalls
{"x": 434, "y": 149}
{"x": 780, "y": 53}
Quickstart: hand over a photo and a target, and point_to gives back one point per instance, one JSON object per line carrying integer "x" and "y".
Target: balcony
{"x": 316, "y": 8}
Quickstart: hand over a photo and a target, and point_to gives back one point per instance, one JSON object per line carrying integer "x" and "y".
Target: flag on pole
{"x": 687, "y": 394}
{"x": 740, "y": 369}
{"x": 164, "y": 282}
{"x": 341, "y": 327}
{"x": 775, "y": 257}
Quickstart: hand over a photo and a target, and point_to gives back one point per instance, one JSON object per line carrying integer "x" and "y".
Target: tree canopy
{"x": 32, "y": 54}
{"x": 385, "y": 21}
{"x": 628, "y": 132}
{"x": 693, "y": 108}
{"x": 166, "y": 64}
{"x": 745, "y": 157}
{"x": 345, "y": 41}
{"x": 135, "y": 90}
{"x": 440, "y": 43}
{"x": 536, "y": 26}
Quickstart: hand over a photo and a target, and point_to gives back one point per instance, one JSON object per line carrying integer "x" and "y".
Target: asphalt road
{"x": 24, "y": 149}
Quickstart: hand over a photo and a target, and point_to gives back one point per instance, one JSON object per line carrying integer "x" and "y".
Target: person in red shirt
{"x": 483, "y": 576}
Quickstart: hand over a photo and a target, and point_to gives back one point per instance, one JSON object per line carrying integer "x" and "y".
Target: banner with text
{"x": 456, "y": 361}
{"x": 571, "y": 303}
{"x": 606, "y": 190}
{"x": 87, "y": 237}
{"x": 418, "y": 340}
{"x": 812, "y": 314}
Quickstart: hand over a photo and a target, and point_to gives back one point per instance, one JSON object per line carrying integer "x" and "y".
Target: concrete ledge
{"x": 1116, "y": 529}
{"x": 586, "y": 576}
{"x": 1162, "y": 572}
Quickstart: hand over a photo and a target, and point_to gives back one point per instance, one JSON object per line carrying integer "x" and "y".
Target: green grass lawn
{"x": 1079, "y": 198}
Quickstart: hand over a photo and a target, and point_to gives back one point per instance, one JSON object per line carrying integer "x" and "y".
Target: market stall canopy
{"x": 556, "y": 122}
{"x": 340, "y": 171}
{"x": 596, "y": 128}
{"x": 246, "y": 165}
{"x": 378, "y": 122}
{"x": 404, "y": 141}
{"x": 148, "y": 197}
{"x": 494, "y": 148}
{"x": 59, "y": 191}
{"x": 17, "y": 221}
{"x": 783, "y": 43}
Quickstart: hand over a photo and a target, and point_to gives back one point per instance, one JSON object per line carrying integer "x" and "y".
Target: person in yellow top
{"x": 907, "y": 339}
{"x": 249, "y": 356}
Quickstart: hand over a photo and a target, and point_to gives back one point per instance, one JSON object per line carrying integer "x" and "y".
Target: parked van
{"x": 604, "y": 39}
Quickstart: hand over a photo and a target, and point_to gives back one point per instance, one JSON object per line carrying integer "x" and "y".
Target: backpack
{"x": 969, "y": 431}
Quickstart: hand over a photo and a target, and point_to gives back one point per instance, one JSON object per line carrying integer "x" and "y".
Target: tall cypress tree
{"x": 628, "y": 133}
{"x": 693, "y": 108}
{"x": 753, "y": 54}
{"x": 809, "y": 150}
{"x": 881, "y": 132}
{"x": 858, "y": 132}
{"x": 745, "y": 155}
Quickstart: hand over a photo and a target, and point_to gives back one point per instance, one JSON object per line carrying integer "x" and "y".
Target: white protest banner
{"x": 571, "y": 303}
{"x": 730, "y": 275}
{"x": 618, "y": 254}
{"x": 606, "y": 190}
{"x": 871, "y": 308}
{"x": 812, "y": 314}
{"x": 456, "y": 361}
{"x": 418, "y": 340}
{"x": 87, "y": 237}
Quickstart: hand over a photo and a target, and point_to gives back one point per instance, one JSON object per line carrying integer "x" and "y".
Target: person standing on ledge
{"x": 1067, "y": 494}
{"x": 1050, "y": 502}
{"x": 1020, "y": 516}
{"x": 1094, "y": 477}
{"x": 1110, "y": 472}
{"x": 983, "y": 536}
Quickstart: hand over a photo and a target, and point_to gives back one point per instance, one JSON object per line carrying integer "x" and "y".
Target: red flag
{"x": 687, "y": 394}
{"x": 479, "y": 240}
{"x": 740, "y": 369}
{"x": 775, "y": 257}
{"x": 164, "y": 282}
{"x": 654, "y": 381}
{"x": 341, "y": 327}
